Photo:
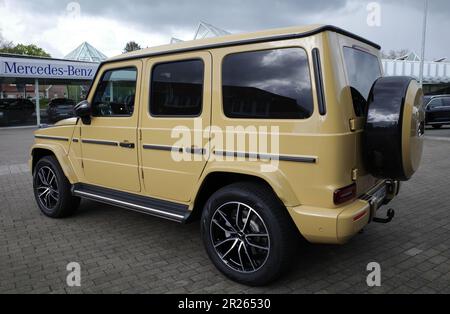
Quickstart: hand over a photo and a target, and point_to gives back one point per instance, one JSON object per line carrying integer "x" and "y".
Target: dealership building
{"x": 436, "y": 74}
{"x": 28, "y": 84}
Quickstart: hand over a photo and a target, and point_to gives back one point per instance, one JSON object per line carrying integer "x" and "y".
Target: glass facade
{"x": 17, "y": 112}
{"x": 56, "y": 102}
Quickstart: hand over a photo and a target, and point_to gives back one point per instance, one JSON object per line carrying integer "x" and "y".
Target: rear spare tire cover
{"x": 393, "y": 136}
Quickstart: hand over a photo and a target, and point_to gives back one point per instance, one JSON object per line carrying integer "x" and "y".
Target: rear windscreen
{"x": 363, "y": 69}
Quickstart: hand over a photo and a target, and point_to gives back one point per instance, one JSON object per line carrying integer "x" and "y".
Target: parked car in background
{"x": 437, "y": 110}
{"x": 60, "y": 109}
{"x": 16, "y": 111}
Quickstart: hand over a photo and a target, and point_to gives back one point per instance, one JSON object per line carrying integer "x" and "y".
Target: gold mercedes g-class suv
{"x": 265, "y": 137}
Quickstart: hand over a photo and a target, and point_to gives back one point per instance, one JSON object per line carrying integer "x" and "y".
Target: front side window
{"x": 115, "y": 94}
{"x": 268, "y": 84}
{"x": 363, "y": 69}
{"x": 177, "y": 89}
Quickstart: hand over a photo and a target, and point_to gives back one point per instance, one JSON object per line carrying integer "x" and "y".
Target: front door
{"x": 109, "y": 143}
{"x": 174, "y": 116}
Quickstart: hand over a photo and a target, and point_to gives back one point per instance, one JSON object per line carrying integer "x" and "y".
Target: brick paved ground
{"x": 124, "y": 252}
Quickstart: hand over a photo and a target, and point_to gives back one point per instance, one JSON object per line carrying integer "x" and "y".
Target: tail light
{"x": 345, "y": 194}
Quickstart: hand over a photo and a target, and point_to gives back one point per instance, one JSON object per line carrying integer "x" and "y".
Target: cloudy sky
{"x": 59, "y": 26}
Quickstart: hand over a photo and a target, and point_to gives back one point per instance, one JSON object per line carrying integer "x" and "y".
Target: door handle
{"x": 127, "y": 145}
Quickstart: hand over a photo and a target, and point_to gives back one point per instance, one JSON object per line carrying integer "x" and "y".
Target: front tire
{"x": 52, "y": 189}
{"x": 248, "y": 233}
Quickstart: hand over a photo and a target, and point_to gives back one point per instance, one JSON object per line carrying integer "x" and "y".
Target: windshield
{"x": 363, "y": 69}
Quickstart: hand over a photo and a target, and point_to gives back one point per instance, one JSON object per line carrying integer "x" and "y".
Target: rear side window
{"x": 268, "y": 84}
{"x": 363, "y": 69}
{"x": 177, "y": 89}
{"x": 446, "y": 101}
{"x": 115, "y": 94}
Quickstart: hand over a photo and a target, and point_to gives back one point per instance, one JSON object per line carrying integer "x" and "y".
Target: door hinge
{"x": 142, "y": 174}
{"x": 353, "y": 125}
{"x": 355, "y": 174}
{"x": 82, "y": 164}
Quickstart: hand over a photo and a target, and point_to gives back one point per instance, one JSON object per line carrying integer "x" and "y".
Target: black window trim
{"x": 149, "y": 111}
{"x": 101, "y": 79}
{"x": 318, "y": 76}
{"x": 266, "y": 49}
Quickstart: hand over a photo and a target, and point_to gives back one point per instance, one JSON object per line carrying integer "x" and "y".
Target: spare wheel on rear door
{"x": 393, "y": 135}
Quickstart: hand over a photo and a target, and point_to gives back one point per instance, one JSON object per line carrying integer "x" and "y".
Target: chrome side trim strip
{"x": 130, "y": 206}
{"x": 98, "y": 142}
{"x": 193, "y": 151}
{"x": 196, "y": 151}
{"x": 163, "y": 148}
{"x": 302, "y": 159}
{"x": 53, "y": 138}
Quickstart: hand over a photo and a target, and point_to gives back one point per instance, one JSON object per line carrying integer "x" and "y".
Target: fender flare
{"x": 275, "y": 180}
{"x": 61, "y": 155}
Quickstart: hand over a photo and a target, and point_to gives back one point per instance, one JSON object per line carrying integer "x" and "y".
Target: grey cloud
{"x": 401, "y": 22}
{"x": 161, "y": 16}
{"x": 436, "y": 7}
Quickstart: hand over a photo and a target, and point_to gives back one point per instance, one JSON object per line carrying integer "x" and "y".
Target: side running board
{"x": 146, "y": 205}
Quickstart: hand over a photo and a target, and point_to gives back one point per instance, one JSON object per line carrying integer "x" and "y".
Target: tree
{"x": 395, "y": 54}
{"x": 28, "y": 50}
{"x": 4, "y": 43}
{"x": 131, "y": 46}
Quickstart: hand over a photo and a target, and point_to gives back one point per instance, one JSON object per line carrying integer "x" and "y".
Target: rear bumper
{"x": 338, "y": 225}
{"x": 331, "y": 225}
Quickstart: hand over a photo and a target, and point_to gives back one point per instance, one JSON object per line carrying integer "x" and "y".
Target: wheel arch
{"x": 213, "y": 181}
{"x": 40, "y": 151}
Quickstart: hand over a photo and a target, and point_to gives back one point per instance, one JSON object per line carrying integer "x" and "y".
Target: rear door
{"x": 362, "y": 67}
{"x": 173, "y": 117}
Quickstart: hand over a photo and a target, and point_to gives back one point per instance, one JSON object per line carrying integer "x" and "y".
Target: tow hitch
{"x": 390, "y": 215}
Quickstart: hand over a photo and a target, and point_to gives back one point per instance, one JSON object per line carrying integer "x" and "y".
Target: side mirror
{"x": 83, "y": 111}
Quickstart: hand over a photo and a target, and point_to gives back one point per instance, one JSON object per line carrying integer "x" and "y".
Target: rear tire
{"x": 437, "y": 126}
{"x": 52, "y": 190}
{"x": 248, "y": 233}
